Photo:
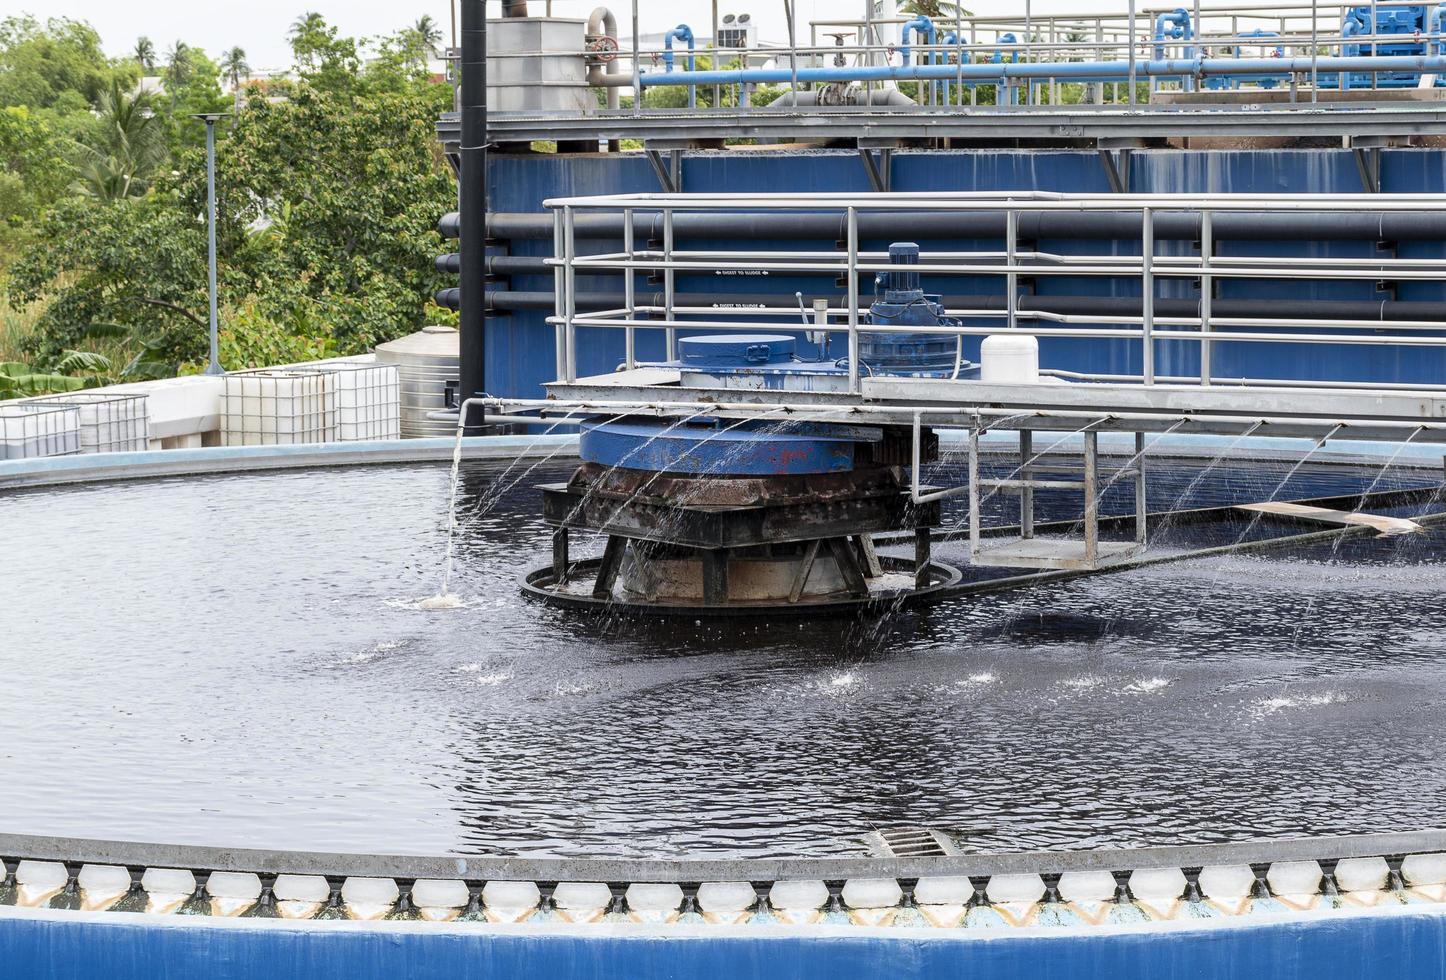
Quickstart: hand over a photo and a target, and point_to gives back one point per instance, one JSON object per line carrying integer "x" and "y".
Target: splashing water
{"x": 445, "y": 599}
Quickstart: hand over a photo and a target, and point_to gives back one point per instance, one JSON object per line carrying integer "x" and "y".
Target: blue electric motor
{"x": 900, "y": 301}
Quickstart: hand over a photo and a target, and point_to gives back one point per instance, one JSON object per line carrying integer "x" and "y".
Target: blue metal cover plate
{"x": 766, "y": 450}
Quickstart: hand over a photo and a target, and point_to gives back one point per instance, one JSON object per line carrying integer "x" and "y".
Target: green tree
{"x": 323, "y": 57}
{"x": 234, "y": 67}
{"x": 428, "y": 33}
{"x": 360, "y": 184}
{"x": 128, "y": 146}
{"x": 178, "y": 69}
{"x": 59, "y": 63}
{"x": 138, "y": 262}
{"x": 935, "y": 10}
{"x": 145, "y": 54}
{"x": 326, "y": 210}
{"x": 400, "y": 64}
{"x": 194, "y": 89}
{"x": 33, "y": 170}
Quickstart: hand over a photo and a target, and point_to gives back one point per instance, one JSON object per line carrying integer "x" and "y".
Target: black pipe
{"x": 472, "y": 206}
{"x": 1275, "y": 309}
{"x": 1033, "y": 225}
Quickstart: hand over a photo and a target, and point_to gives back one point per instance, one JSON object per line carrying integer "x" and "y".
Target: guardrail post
{"x": 570, "y": 278}
{"x": 630, "y": 352}
{"x": 1147, "y": 291}
{"x": 1207, "y": 292}
{"x": 559, "y": 297}
{"x": 671, "y": 333}
{"x": 853, "y": 299}
{"x": 1011, "y": 278}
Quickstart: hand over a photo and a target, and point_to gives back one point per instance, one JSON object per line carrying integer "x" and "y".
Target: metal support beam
{"x": 1091, "y": 497}
{"x": 560, "y": 559}
{"x": 922, "y": 553}
{"x": 1026, "y": 494}
{"x": 1117, "y": 168}
{"x": 847, "y": 561}
{"x": 715, "y": 576}
{"x": 607, "y": 570}
{"x": 871, "y": 566}
{"x": 800, "y": 578}
{"x": 1368, "y": 164}
{"x": 670, "y": 174}
{"x": 1142, "y": 507}
{"x": 880, "y": 172}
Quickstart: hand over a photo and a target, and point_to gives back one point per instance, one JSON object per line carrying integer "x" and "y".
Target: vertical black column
{"x": 472, "y": 204}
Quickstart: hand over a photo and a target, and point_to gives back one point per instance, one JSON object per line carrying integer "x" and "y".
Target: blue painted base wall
{"x": 520, "y": 353}
{"x": 1400, "y": 944}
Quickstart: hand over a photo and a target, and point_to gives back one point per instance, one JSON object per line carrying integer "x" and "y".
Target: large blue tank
{"x": 520, "y": 355}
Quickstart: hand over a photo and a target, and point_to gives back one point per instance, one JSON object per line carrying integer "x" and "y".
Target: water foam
{"x": 1266, "y": 707}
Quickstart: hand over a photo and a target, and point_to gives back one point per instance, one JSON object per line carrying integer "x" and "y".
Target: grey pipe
{"x": 1033, "y": 226}
{"x": 1384, "y": 311}
{"x": 881, "y": 96}
{"x": 602, "y": 21}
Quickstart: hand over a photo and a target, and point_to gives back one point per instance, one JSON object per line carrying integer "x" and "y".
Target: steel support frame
{"x": 880, "y": 172}
{"x": 1023, "y": 482}
{"x": 669, "y": 173}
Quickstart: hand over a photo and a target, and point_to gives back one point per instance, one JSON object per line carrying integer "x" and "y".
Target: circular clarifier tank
{"x": 241, "y": 659}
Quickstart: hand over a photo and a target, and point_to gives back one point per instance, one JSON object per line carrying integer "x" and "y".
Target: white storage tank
{"x": 1009, "y": 358}
{"x": 271, "y": 407}
{"x": 110, "y": 421}
{"x": 537, "y": 64}
{"x": 365, "y": 399}
{"x": 428, "y": 365}
{"x": 29, "y": 430}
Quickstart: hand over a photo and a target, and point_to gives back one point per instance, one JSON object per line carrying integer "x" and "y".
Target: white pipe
{"x": 602, "y": 21}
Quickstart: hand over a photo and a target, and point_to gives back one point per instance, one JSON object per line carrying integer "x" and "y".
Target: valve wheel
{"x": 603, "y": 47}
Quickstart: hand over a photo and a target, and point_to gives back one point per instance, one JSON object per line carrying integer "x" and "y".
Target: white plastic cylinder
{"x": 1009, "y": 358}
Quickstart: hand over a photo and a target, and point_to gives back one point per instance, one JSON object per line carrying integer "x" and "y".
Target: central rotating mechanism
{"x": 723, "y": 515}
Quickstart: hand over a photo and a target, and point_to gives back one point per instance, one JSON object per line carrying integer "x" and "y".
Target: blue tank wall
{"x": 1403, "y": 944}
{"x": 520, "y": 345}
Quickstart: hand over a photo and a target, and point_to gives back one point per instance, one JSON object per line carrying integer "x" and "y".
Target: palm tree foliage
{"x": 127, "y": 147}
{"x": 428, "y": 33}
{"x": 145, "y": 54}
{"x": 936, "y": 10}
{"x": 234, "y": 66}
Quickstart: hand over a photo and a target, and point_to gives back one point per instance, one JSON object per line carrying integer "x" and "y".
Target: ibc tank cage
{"x": 338, "y": 402}
{"x": 29, "y": 430}
{"x": 110, "y": 422}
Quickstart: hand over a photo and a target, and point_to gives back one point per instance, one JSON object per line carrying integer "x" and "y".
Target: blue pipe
{"x": 998, "y": 59}
{"x": 1078, "y": 70}
{"x": 1438, "y": 16}
{"x": 1356, "y": 21}
{"x": 924, "y": 27}
{"x": 952, "y": 39}
{"x": 1174, "y": 25}
{"x": 683, "y": 33}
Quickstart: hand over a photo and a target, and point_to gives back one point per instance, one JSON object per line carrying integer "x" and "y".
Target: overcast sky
{"x": 260, "y": 26}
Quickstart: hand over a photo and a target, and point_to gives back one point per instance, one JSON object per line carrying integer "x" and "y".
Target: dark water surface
{"x": 238, "y": 660}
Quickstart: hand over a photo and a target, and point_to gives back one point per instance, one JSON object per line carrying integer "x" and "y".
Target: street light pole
{"x": 209, "y": 118}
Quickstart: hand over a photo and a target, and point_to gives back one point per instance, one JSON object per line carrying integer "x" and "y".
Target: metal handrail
{"x": 1146, "y": 327}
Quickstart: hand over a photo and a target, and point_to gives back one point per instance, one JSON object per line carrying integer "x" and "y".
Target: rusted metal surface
{"x": 735, "y": 491}
{"x": 699, "y": 526}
